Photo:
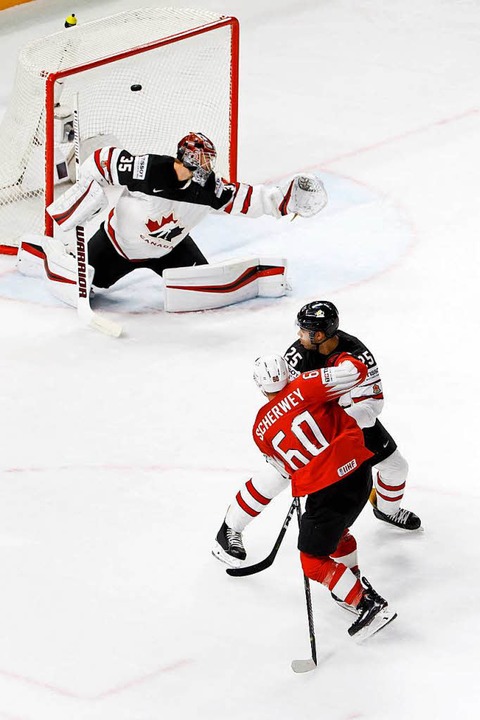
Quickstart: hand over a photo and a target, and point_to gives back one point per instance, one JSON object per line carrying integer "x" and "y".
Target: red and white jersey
{"x": 156, "y": 211}
{"x": 306, "y": 434}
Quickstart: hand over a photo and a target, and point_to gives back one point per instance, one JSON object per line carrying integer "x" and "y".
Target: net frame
{"x": 192, "y": 24}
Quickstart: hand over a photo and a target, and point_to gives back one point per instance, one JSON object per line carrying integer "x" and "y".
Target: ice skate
{"x": 228, "y": 547}
{"x": 403, "y": 519}
{"x": 373, "y": 614}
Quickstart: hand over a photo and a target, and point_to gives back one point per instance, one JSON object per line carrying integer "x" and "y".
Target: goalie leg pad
{"x": 205, "y": 287}
{"x": 31, "y": 255}
{"x": 61, "y": 272}
{"x": 272, "y": 277}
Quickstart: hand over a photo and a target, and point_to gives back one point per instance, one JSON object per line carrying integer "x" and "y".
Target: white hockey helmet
{"x": 270, "y": 372}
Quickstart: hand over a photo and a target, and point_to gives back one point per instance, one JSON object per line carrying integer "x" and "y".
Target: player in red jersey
{"x": 320, "y": 341}
{"x": 307, "y": 437}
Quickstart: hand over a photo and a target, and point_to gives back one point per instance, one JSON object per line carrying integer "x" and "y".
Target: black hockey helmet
{"x": 319, "y": 316}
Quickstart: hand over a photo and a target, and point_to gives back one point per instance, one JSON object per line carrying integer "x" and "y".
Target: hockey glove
{"x": 78, "y": 204}
{"x": 308, "y": 196}
{"x": 340, "y": 379}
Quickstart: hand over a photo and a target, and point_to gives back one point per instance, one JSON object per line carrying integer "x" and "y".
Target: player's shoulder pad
{"x": 161, "y": 171}
{"x": 350, "y": 343}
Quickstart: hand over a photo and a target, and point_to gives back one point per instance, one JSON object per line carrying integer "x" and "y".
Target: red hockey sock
{"x": 346, "y": 552}
{"x": 337, "y": 577}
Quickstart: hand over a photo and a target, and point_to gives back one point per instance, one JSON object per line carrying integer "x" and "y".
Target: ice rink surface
{"x": 119, "y": 457}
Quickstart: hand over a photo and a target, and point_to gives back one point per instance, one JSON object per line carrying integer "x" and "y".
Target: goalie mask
{"x": 270, "y": 372}
{"x": 198, "y": 154}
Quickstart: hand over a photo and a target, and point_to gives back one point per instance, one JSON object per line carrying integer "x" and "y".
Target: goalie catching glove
{"x": 78, "y": 204}
{"x": 307, "y": 195}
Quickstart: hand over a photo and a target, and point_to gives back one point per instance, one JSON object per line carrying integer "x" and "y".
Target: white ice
{"x": 119, "y": 457}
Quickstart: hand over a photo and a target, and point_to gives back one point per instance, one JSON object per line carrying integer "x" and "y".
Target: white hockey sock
{"x": 248, "y": 504}
{"x": 253, "y": 497}
{"x": 388, "y": 496}
{"x": 389, "y": 481}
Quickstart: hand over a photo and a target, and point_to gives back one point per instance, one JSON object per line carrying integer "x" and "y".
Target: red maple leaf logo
{"x": 155, "y": 226}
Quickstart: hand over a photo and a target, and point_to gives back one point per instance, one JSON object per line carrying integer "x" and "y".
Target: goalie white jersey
{"x": 156, "y": 211}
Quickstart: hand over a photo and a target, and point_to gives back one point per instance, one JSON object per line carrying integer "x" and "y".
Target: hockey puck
{"x": 135, "y": 88}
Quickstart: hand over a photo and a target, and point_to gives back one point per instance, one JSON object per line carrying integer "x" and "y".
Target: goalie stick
{"x": 266, "y": 562}
{"x": 302, "y": 666}
{"x": 84, "y": 310}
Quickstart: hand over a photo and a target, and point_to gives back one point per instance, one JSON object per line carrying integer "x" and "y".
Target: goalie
{"x": 163, "y": 199}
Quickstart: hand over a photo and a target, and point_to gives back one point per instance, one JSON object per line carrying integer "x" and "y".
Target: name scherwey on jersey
{"x": 364, "y": 402}
{"x": 156, "y": 211}
{"x": 304, "y": 431}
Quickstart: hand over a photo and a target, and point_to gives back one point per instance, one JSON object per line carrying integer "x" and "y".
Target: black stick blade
{"x": 251, "y": 569}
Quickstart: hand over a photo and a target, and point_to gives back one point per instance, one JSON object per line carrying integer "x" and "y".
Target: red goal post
{"x": 144, "y": 78}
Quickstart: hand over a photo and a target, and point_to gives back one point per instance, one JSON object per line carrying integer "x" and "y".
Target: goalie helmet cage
{"x": 144, "y": 78}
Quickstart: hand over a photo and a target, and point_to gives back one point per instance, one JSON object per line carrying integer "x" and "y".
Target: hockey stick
{"x": 302, "y": 666}
{"x": 84, "y": 310}
{"x": 264, "y": 564}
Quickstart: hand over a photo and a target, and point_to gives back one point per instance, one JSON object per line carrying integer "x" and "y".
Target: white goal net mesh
{"x": 144, "y": 79}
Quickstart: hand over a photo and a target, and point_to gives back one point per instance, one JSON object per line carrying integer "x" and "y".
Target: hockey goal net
{"x": 144, "y": 79}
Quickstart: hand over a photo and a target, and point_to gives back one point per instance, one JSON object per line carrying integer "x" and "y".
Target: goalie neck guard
{"x": 198, "y": 154}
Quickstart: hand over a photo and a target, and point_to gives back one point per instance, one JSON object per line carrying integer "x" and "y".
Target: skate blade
{"x": 412, "y": 531}
{"x": 220, "y": 554}
{"x": 381, "y": 620}
{"x": 345, "y": 606}
{"x": 303, "y": 666}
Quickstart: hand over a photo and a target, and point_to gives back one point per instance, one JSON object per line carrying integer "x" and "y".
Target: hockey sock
{"x": 346, "y": 552}
{"x": 337, "y": 577}
{"x": 389, "y": 495}
{"x": 248, "y": 503}
{"x": 253, "y": 497}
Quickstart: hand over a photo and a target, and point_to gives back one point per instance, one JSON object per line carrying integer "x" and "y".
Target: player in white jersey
{"x": 320, "y": 342}
{"x": 163, "y": 199}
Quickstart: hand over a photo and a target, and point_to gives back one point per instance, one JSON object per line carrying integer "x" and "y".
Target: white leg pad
{"x": 31, "y": 255}
{"x": 205, "y": 287}
{"x": 61, "y": 272}
{"x": 271, "y": 281}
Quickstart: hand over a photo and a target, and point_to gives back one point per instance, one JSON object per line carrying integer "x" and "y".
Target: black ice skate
{"x": 404, "y": 519}
{"x": 373, "y": 614}
{"x": 228, "y": 547}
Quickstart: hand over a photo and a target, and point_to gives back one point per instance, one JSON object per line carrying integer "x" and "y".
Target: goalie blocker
{"x": 201, "y": 287}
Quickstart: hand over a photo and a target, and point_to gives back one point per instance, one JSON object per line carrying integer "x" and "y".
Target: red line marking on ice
{"x": 379, "y": 144}
{"x": 127, "y": 468}
{"x": 6, "y": 716}
{"x": 201, "y": 468}
{"x": 141, "y": 680}
{"x": 401, "y": 136}
{"x": 99, "y": 696}
{"x": 25, "y": 680}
